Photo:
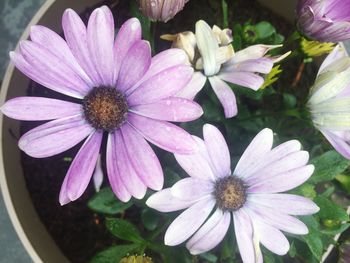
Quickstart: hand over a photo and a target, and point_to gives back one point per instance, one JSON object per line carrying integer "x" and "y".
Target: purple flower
{"x": 216, "y": 60}
{"x": 251, "y": 195}
{"x": 324, "y": 20}
{"x": 330, "y": 99}
{"x": 162, "y": 10}
{"x": 119, "y": 91}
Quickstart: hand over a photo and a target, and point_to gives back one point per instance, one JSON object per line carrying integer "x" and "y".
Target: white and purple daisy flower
{"x": 212, "y": 195}
{"x": 122, "y": 92}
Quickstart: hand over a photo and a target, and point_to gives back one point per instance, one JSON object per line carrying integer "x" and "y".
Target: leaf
{"x": 330, "y": 210}
{"x": 314, "y": 242}
{"x": 150, "y": 219}
{"x": 106, "y": 202}
{"x": 307, "y": 190}
{"x": 344, "y": 180}
{"x": 124, "y": 230}
{"x": 209, "y": 257}
{"x": 113, "y": 254}
{"x": 264, "y": 29}
{"x": 328, "y": 166}
{"x": 315, "y": 48}
{"x": 334, "y": 231}
{"x": 272, "y": 77}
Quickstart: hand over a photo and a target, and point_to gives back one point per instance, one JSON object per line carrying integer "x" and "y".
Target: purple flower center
{"x": 230, "y": 193}
{"x": 105, "y": 108}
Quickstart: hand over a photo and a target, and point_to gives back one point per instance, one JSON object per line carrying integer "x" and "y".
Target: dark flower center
{"x": 105, "y": 108}
{"x": 230, "y": 193}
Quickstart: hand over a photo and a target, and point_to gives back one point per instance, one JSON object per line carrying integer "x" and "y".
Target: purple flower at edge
{"x": 250, "y": 196}
{"x": 122, "y": 91}
{"x": 162, "y": 10}
{"x": 324, "y": 20}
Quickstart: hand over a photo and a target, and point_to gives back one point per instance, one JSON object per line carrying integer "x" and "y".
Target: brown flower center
{"x": 105, "y": 108}
{"x": 230, "y": 193}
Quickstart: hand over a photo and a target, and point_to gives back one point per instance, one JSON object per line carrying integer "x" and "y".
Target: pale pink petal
{"x": 261, "y": 65}
{"x": 129, "y": 33}
{"x": 75, "y": 34}
{"x": 63, "y": 197}
{"x": 340, "y": 144}
{"x": 218, "y": 150}
{"x": 197, "y": 165}
{"x": 210, "y": 234}
{"x": 278, "y": 220}
{"x": 164, "y": 201}
{"x": 170, "y": 109}
{"x": 55, "y": 136}
{"x": 257, "y": 149}
{"x": 135, "y": 66}
{"x": 97, "y": 177}
{"x": 100, "y": 39}
{"x": 244, "y": 79}
{"x": 192, "y": 189}
{"x": 283, "y": 181}
{"x": 285, "y": 203}
{"x": 113, "y": 173}
{"x": 128, "y": 175}
{"x": 83, "y": 165}
{"x": 193, "y": 87}
{"x": 251, "y": 52}
{"x": 225, "y": 95}
{"x": 161, "y": 86}
{"x": 244, "y": 235}
{"x": 143, "y": 158}
{"x": 54, "y": 43}
{"x": 337, "y": 53}
{"x": 39, "y": 109}
{"x": 188, "y": 222}
{"x": 163, "y": 134}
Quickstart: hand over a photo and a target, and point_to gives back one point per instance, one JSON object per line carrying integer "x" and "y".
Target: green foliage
{"x": 329, "y": 210}
{"x": 150, "y": 219}
{"x": 114, "y": 254}
{"x": 124, "y": 230}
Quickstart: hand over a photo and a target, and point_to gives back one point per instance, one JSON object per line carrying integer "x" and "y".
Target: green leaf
{"x": 264, "y": 29}
{"x": 330, "y": 210}
{"x": 314, "y": 242}
{"x": 209, "y": 257}
{"x": 150, "y": 219}
{"x": 211, "y": 111}
{"x": 124, "y": 230}
{"x": 328, "y": 166}
{"x": 344, "y": 180}
{"x": 307, "y": 190}
{"x": 114, "y": 254}
{"x": 105, "y": 202}
{"x": 292, "y": 250}
{"x": 335, "y": 230}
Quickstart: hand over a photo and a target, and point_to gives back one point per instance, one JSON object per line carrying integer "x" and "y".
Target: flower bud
{"x": 161, "y": 10}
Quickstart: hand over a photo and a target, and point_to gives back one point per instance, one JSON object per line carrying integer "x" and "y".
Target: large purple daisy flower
{"x": 251, "y": 195}
{"x": 122, "y": 91}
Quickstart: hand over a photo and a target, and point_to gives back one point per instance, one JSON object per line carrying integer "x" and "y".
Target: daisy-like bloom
{"x": 250, "y": 196}
{"x": 161, "y": 10}
{"x": 324, "y": 20}
{"x": 329, "y": 101}
{"x": 211, "y": 54}
{"x": 119, "y": 91}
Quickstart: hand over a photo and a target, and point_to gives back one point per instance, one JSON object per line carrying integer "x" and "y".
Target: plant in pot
{"x": 195, "y": 134}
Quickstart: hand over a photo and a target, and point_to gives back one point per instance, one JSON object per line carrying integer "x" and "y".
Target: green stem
{"x": 224, "y": 13}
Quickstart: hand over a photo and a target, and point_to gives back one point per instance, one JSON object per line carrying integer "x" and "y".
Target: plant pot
{"x": 31, "y": 231}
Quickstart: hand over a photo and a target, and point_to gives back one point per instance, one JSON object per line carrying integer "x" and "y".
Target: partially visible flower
{"x": 211, "y": 54}
{"x": 120, "y": 92}
{"x": 162, "y": 10}
{"x": 329, "y": 101}
{"x": 136, "y": 259}
{"x": 324, "y": 20}
{"x": 250, "y": 195}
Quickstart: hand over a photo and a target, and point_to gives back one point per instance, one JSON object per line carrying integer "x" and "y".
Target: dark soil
{"x": 78, "y": 231}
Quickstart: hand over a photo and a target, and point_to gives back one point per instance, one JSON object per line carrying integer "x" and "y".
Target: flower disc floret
{"x": 230, "y": 193}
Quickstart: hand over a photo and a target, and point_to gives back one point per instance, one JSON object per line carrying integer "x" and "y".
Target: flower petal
{"x": 244, "y": 79}
{"x": 210, "y": 234}
{"x": 97, "y": 177}
{"x": 164, "y": 201}
{"x": 244, "y": 235}
{"x": 194, "y": 189}
{"x": 225, "y": 95}
{"x": 260, "y": 65}
{"x": 143, "y": 158}
{"x": 135, "y": 66}
{"x": 128, "y": 34}
{"x": 39, "y": 109}
{"x": 188, "y": 222}
{"x": 113, "y": 173}
{"x": 285, "y": 203}
{"x": 163, "y": 134}
{"x": 337, "y": 53}
{"x": 161, "y": 86}
{"x": 218, "y": 150}
{"x": 170, "y": 109}
{"x": 252, "y": 52}
{"x": 55, "y": 136}
{"x": 128, "y": 175}
{"x": 340, "y": 144}
{"x": 76, "y": 36}
{"x": 257, "y": 149}
{"x": 193, "y": 87}
{"x": 83, "y": 165}
{"x": 100, "y": 39}
{"x": 282, "y": 182}
{"x": 197, "y": 165}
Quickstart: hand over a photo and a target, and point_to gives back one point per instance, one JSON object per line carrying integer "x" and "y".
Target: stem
{"x": 298, "y": 75}
{"x": 224, "y": 14}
